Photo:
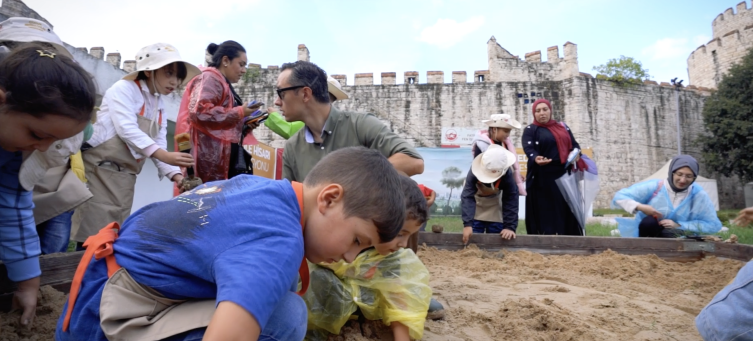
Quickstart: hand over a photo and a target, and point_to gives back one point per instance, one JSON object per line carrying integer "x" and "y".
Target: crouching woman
{"x": 668, "y": 208}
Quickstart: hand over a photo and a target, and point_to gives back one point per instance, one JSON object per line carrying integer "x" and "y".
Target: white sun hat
{"x": 157, "y": 55}
{"x": 492, "y": 164}
{"x": 334, "y": 87}
{"x": 25, "y": 30}
{"x": 502, "y": 121}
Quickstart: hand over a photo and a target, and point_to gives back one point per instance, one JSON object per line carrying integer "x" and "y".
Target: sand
{"x": 526, "y": 296}
{"x": 49, "y": 307}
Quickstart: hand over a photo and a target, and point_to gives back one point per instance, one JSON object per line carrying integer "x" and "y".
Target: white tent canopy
{"x": 708, "y": 185}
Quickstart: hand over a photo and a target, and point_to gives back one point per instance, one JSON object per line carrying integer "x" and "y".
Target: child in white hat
{"x": 489, "y": 202}
{"x": 499, "y": 127}
{"x": 131, "y": 126}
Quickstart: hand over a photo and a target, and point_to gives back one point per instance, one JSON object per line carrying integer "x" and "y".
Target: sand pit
{"x": 49, "y": 307}
{"x": 527, "y": 296}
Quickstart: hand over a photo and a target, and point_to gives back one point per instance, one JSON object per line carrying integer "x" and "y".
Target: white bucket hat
{"x": 26, "y": 30}
{"x": 502, "y": 121}
{"x": 157, "y": 55}
{"x": 334, "y": 87}
{"x": 492, "y": 164}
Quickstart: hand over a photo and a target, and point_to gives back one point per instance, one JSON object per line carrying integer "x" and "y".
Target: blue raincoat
{"x": 694, "y": 214}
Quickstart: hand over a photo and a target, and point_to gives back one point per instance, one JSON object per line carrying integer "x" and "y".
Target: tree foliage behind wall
{"x": 728, "y": 116}
{"x": 625, "y": 71}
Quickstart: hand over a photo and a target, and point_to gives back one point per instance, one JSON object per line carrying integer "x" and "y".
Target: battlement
{"x": 732, "y": 19}
{"x": 504, "y": 66}
{"x": 732, "y": 37}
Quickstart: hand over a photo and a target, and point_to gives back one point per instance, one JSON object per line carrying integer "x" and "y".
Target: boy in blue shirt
{"x": 221, "y": 262}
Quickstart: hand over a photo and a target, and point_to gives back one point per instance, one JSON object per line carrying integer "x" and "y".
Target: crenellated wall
{"x": 505, "y": 67}
{"x": 632, "y": 131}
{"x": 732, "y": 38}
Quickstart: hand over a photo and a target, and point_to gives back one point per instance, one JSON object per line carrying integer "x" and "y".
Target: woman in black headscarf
{"x": 670, "y": 207}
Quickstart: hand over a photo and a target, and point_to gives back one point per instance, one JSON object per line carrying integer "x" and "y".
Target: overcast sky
{"x": 348, "y": 37}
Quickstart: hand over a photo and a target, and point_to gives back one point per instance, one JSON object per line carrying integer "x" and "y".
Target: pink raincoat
{"x": 207, "y": 112}
{"x": 483, "y": 141}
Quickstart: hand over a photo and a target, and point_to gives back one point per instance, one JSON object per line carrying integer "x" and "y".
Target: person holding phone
{"x": 215, "y": 115}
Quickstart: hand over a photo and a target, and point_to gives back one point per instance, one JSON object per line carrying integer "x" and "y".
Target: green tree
{"x": 727, "y": 144}
{"x": 625, "y": 71}
{"x": 452, "y": 177}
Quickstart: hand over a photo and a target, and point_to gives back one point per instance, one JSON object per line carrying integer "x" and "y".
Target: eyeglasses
{"x": 688, "y": 177}
{"x": 280, "y": 91}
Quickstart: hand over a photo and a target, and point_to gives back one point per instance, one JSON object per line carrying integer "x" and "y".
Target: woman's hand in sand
{"x": 669, "y": 224}
{"x": 542, "y": 161}
{"x": 467, "y": 232}
{"x": 744, "y": 218}
{"x": 507, "y": 234}
{"x": 649, "y": 211}
{"x": 25, "y": 298}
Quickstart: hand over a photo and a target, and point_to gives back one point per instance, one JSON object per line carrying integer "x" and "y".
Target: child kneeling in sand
{"x": 387, "y": 283}
{"x": 221, "y": 262}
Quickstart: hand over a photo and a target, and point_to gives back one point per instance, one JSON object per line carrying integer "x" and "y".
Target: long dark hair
{"x": 37, "y": 81}
{"x": 230, "y": 48}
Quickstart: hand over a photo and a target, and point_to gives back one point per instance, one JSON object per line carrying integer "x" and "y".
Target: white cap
{"x": 26, "y": 30}
{"x": 157, "y": 55}
{"x": 334, "y": 87}
{"x": 492, "y": 164}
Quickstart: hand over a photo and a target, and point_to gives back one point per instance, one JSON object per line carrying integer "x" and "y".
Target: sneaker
{"x": 436, "y": 310}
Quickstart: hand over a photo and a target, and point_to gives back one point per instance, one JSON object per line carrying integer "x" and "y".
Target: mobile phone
{"x": 258, "y": 116}
{"x": 255, "y": 104}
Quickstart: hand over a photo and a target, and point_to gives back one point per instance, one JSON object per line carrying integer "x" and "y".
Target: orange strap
{"x": 303, "y": 271}
{"x": 99, "y": 246}
{"x": 144, "y": 106}
{"x": 496, "y": 184}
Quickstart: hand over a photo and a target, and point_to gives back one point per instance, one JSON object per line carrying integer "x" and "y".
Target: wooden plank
{"x": 57, "y": 268}
{"x": 739, "y": 252}
{"x": 669, "y": 249}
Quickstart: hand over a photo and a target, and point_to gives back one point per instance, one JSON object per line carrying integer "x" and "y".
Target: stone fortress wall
{"x": 631, "y": 130}
{"x": 731, "y": 40}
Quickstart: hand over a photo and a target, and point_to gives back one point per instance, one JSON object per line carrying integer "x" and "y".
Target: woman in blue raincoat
{"x": 670, "y": 207}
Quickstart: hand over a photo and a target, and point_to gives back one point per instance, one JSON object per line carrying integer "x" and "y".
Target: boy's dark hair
{"x": 52, "y": 83}
{"x": 415, "y": 203}
{"x": 229, "y": 48}
{"x": 371, "y": 187}
{"x": 177, "y": 67}
{"x": 308, "y": 74}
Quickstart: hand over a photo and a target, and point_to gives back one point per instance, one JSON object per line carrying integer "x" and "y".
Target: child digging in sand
{"x": 220, "y": 262}
{"x": 387, "y": 283}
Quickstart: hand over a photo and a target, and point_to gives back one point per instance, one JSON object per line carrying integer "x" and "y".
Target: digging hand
{"x": 467, "y": 232}
{"x": 507, "y": 234}
{"x": 649, "y": 211}
{"x": 25, "y": 298}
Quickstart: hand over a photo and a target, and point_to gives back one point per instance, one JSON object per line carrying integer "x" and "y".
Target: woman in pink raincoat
{"x": 500, "y": 126}
{"x": 213, "y": 113}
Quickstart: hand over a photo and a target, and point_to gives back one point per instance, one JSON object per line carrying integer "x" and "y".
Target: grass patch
{"x": 744, "y": 234}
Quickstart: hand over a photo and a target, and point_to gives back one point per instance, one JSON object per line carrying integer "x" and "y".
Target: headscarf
{"x": 561, "y": 136}
{"x": 678, "y": 162}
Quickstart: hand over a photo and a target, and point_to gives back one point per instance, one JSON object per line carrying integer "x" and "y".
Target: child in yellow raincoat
{"x": 387, "y": 283}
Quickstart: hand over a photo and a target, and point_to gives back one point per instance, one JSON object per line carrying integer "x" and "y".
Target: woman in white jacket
{"x": 131, "y": 126}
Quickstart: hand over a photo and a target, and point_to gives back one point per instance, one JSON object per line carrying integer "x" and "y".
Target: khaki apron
{"x": 111, "y": 172}
{"x": 488, "y": 204}
{"x": 131, "y": 311}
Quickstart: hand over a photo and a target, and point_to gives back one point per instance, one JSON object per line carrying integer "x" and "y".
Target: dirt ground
{"x": 526, "y": 296}
{"x": 49, "y": 307}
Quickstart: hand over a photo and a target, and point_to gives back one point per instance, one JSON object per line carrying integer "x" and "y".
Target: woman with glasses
{"x": 214, "y": 114}
{"x": 668, "y": 208}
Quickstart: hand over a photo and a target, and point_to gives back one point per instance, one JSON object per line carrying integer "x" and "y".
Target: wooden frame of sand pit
{"x": 58, "y": 269}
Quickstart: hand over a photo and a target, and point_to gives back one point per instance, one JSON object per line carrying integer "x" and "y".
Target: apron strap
{"x": 303, "y": 271}
{"x": 144, "y": 106}
{"x": 99, "y": 246}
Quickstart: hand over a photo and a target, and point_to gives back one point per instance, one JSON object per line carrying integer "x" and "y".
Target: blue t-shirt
{"x": 237, "y": 240}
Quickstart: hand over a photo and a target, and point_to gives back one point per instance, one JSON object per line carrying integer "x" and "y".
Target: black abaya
{"x": 547, "y": 211}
